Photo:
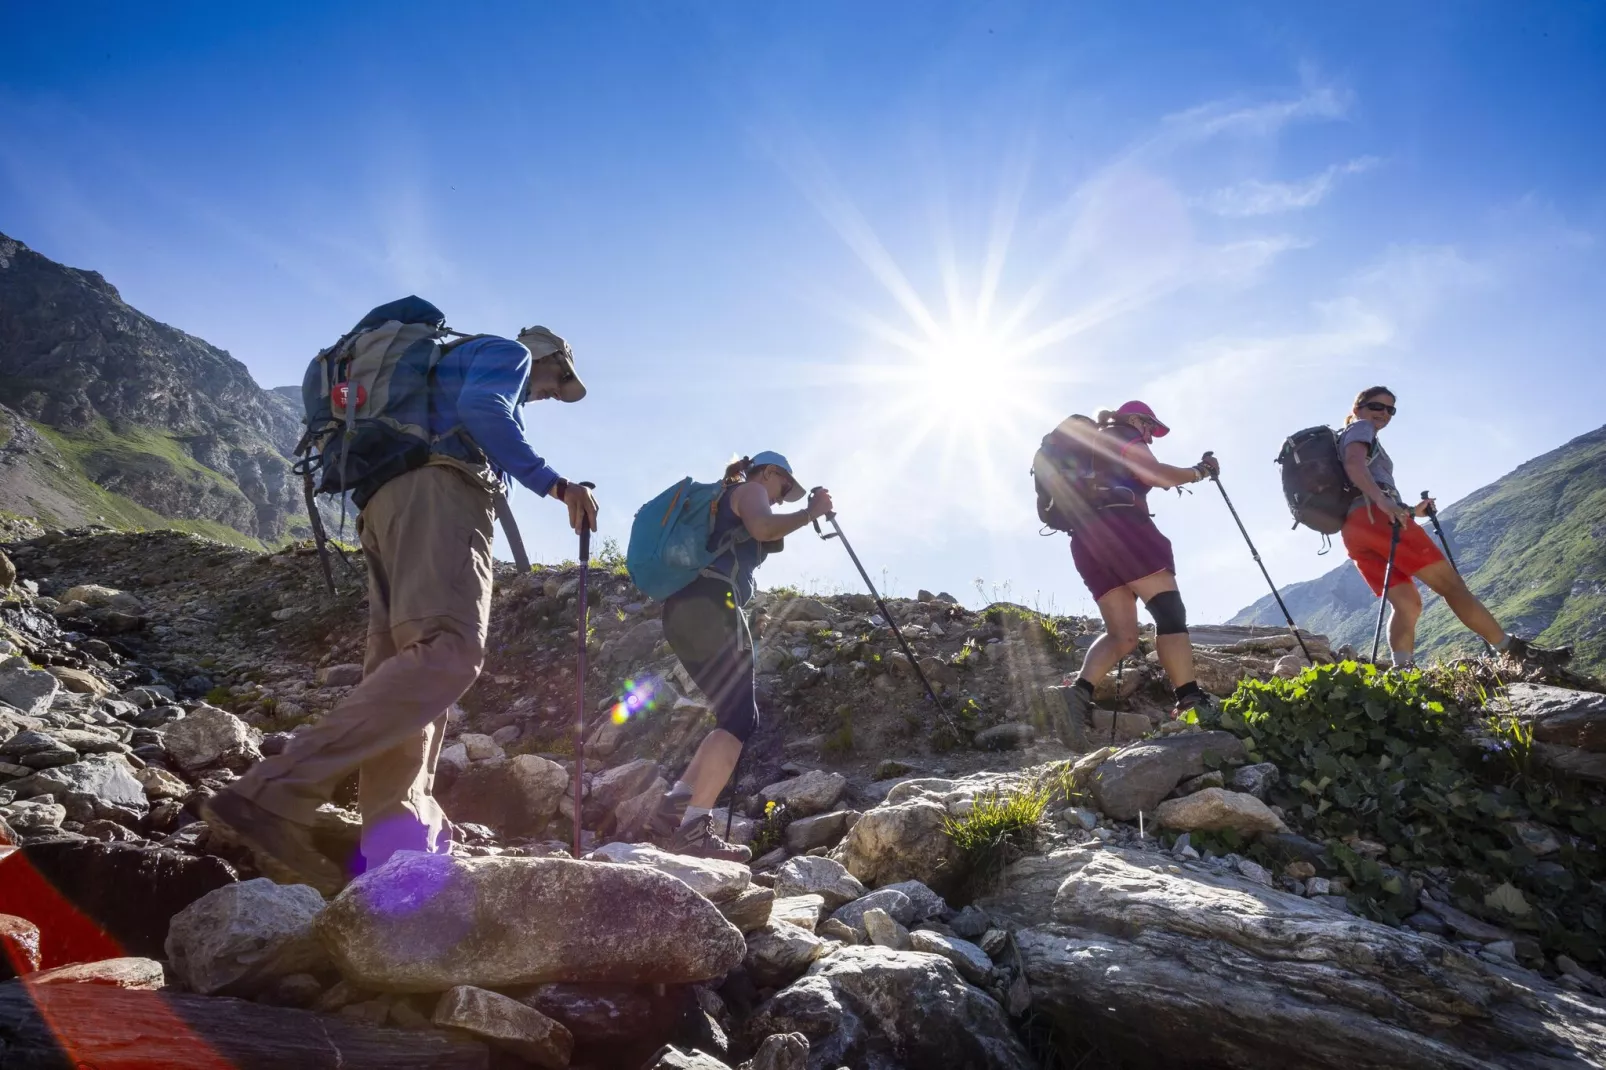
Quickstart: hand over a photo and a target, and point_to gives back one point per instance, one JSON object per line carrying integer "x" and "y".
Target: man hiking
{"x": 426, "y": 536}
{"x": 1369, "y": 531}
{"x": 1122, "y": 556}
{"x": 705, "y": 625}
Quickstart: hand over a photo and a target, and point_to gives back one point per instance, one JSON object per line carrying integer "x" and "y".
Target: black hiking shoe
{"x": 1202, "y": 703}
{"x": 283, "y": 850}
{"x": 698, "y": 839}
{"x": 1070, "y": 730}
{"x": 1523, "y": 652}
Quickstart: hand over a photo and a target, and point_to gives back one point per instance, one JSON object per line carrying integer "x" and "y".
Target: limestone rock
{"x": 1217, "y": 810}
{"x": 28, "y": 691}
{"x": 613, "y": 786}
{"x": 713, "y": 878}
{"x": 924, "y": 903}
{"x": 897, "y": 905}
{"x": 241, "y": 937}
{"x": 80, "y": 682}
{"x": 801, "y": 910}
{"x": 1559, "y": 715}
{"x": 515, "y": 796}
{"x": 348, "y": 675}
{"x": 814, "y": 875}
{"x": 670, "y": 1057}
{"x": 821, "y": 830}
{"x": 971, "y": 961}
{"x": 1138, "y": 777}
{"x": 19, "y": 946}
{"x": 160, "y": 784}
{"x": 1051, "y": 708}
{"x": 780, "y": 1051}
{"x": 883, "y": 931}
{"x": 136, "y": 974}
{"x": 814, "y": 792}
{"x": 98, "y": 780}
{"x": 505, "y": 1023}
{"x": 1256, "y": 780}
{"x": 802, "y": 609}
{"x": 899, "y": 842}
{"x": 424, "y": 923}
{"x": 480, "y": 747}
{"x": 872, "y": 1006}
{"x": 777, "y": 954}
{"x": 1220, "y": 971}
{"x": 751, "y": 908}
{"x": 209, "y": 736}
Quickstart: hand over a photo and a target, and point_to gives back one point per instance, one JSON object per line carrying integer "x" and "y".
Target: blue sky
{"x": 895, "y": 241}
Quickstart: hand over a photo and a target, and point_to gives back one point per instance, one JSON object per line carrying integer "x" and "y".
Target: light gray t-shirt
{"x": 1378, "y": 462}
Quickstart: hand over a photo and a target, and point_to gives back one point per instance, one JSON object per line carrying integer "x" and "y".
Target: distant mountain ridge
{"x": 110, "y": 415}
{"x": 1532, "y": 545}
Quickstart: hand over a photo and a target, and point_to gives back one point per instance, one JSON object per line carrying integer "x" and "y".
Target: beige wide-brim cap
{"x": 543, "y": 343}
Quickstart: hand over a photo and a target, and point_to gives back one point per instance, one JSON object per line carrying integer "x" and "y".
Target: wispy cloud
{"x": 1255, "y": 197}
{"x": 1223, "y": 117}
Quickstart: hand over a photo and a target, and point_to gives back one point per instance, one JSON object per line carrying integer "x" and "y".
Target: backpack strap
{"x": 510, "y": 528}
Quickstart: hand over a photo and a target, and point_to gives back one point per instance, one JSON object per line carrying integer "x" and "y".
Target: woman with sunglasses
{"x": 705, "y": 625}
{"x": 1369, "y": 530}
{"x": 1122, "y": 557}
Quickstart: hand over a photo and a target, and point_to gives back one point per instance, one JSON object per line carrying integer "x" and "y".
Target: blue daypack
{"x": 670, "y": 538}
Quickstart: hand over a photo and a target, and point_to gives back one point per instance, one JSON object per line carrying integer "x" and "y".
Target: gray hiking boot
{"x": 283, "y": 850}
{"x": 666, "y": 817}
{"x": 1073, "y": 727}
{"x": 699, "y": 839}
{"x": 1523, "y": 652}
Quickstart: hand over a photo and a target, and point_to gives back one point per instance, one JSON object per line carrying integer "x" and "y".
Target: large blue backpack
{"x": 670, "y": 539}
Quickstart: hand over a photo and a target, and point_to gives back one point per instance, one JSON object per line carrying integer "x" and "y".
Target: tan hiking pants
{"x": 426, "y": 536}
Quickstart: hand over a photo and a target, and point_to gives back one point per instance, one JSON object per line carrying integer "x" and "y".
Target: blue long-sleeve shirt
{"x": 480, "y": 387}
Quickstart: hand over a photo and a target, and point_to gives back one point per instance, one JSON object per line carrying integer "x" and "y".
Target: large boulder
{"x": 95, "y": 900}
{"x": 813, "y": 792}
{"x": 821, "y": 830}
{"x": 611, "y": 787}
{"x": 905, "y": 841}
{"x": 240, "y": 937}
{"x": 817, "y": 875}
{"x": 1560, "y": 715}
{"x": 28, "y": 691}
{"x": 129, "y": 971}
{"x": 1138, "y": 777}
{"x": 1183, "y": 968}
{"x": 516, "y": 796}
{"x": 209, "y": 737}
{"x": 876, "y": 1007}
{"x": 713, "y": 878}
{"x": 425, "y": 923}
{"x": 1218, "y": 810}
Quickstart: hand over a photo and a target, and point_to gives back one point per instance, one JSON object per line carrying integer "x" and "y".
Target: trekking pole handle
{"x": 816, "y": 520}
{"x": 1210, "y": 455}
{"x": 1432, "y": 511}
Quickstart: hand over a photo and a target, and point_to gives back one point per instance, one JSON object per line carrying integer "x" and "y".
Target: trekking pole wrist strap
{"x": 559, "y": 488}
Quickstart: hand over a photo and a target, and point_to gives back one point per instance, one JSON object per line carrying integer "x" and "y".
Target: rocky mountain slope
{"x": 1532, "y": 545}
{"x": 112, "y": 417}
{"x": 929, "y": 890}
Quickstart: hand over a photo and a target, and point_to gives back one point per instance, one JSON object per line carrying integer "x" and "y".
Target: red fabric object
{"x": 1117, "y": 547}
{"x": 1366, "y": 537}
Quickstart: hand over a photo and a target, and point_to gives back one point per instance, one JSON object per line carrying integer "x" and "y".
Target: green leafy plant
{"x": 1390, "y": 759}
{"x": 999, "y": 828}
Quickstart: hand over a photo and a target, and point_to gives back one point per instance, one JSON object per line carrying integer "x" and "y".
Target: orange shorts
{"x": 1366, "y": 536}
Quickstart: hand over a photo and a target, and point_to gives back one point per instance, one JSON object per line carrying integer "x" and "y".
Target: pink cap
{"x": 1138, "y": 408}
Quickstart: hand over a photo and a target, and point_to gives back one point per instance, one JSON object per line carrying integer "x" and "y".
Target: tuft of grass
{"x": 839, "y": 740}
{"x": 219, "y": 697}
{"x": 999, "y": 828}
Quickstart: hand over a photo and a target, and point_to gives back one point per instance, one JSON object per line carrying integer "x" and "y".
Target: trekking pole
{"x": 887, "y": 614}
{"x": 1254, "y": 553}
{"x": 1433, "y": 515}
{"x": 580, "y": 677}
{"x": 1383, "y": 599}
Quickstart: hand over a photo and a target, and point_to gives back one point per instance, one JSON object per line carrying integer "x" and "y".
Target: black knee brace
{"x": 1170, "y": 615}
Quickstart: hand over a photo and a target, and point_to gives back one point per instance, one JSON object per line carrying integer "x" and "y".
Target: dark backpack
{"x": 1072, "y": 475}
{"x": 1315, "y": 485}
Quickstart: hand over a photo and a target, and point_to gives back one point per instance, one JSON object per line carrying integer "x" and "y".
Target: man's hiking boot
{"x": 1079, "y": 712}
{"x": 1523, "y": 652}
{"x": 1201, "y": 702}
{"x": 666, "y": 817}
{"x": 699, "y": 839}
{"x": 283, "y": 850}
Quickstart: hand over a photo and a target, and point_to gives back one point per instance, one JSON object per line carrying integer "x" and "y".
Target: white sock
{"x": 692, "y": 814}
{"x": 1505, "y": 644}
{"x": 1404, "y": 659}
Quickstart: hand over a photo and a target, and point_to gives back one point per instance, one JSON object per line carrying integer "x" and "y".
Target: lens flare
{"x": 640, "y": 696}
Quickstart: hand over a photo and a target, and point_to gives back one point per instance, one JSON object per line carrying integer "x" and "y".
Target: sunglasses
{"x": 1378, "y": 406}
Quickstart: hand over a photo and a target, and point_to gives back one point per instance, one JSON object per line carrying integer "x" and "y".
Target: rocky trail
{"x": 988, "y": 888}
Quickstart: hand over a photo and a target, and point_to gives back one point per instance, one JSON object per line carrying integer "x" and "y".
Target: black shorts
{"x": 709, "y": 634}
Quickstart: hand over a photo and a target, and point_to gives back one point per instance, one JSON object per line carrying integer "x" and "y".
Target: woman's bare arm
{"x": 752, "y": 505}
{"x": 1143, "y": 464}
{"x": 1359, "y": 474}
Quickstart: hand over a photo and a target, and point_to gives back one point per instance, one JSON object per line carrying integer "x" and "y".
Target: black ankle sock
{"x": 1188, "y": 690}
{"x": 1085, "y": 685}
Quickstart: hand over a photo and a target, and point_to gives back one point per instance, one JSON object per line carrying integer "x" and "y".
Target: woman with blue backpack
{"x": 696, "y": 547}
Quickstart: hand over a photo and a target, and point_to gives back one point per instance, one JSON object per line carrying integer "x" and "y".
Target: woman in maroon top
{"x": 1123, "y": 557}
